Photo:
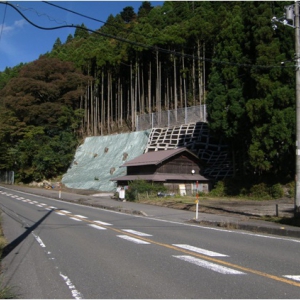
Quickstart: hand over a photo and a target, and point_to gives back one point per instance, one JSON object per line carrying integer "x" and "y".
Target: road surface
{"x": 63, "y": 250}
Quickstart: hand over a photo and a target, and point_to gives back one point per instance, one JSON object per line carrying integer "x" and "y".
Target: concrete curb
{"x": 256, "y": 228}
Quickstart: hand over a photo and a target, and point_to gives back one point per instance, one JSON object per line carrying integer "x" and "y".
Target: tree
{"x": 57, "y": 44}
{"x": 144, "y": 9}
{"x": 128, "y": 14}
{"x": 41, "y": 105}
{"x": 81, "y": 32}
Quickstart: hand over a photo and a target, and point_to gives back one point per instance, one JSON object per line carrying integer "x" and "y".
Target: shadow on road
{"x": 11, "y": 246}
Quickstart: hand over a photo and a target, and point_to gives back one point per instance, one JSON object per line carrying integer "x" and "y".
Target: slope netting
{"x": 99, "y": 159}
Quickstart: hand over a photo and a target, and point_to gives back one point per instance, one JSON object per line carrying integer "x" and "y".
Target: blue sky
{"x": 21, "y": 42}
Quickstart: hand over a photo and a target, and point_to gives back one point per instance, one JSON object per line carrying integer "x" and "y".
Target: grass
{"x": 5, "y": 291}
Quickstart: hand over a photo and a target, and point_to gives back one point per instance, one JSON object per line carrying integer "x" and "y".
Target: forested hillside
{"x": 184, "y": 53}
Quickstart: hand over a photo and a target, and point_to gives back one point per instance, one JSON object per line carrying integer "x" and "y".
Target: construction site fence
{"x": 7, "y": 177}
{"x": 170, "y": 118}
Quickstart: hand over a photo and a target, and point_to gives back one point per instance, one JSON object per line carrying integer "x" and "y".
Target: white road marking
{"x": 39, "y": 240}
{"x": 75, "y": 219}
{"x": 43, "y": 204}
{"x": 25, "y": 200}
{"x": 136, "y": 232}
{"x": 97, "y": 226}
{"x": 65, "y": 211}
{"x": 53, "y": 207}
{"x": 61, "y": 214}
{"x": 200, "y": 250}
{"x": 20, "y": 198}
{"x": 71, "y": 286}
{"x": 131, "y": 239}
{"x": 294, "y": 277}
{"x": 39, "y": 205}
{"x": 80, "y": 216}
{"x": 236, "y": 232}
{"x": 103, "y": 223}
{"x": 208, "y": 265}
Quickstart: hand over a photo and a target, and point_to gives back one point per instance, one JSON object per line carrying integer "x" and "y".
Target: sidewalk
{"x": 236, "y": 220}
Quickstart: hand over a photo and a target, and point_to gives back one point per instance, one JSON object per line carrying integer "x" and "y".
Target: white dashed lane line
{"x": 136, "y": 232}
{"x": 134, "y": 240}
{"x": 190, "y": 259}
{"x": 80, "y": 216}
{"x": 75, "y": 219}
{"x": 200, "y": 250}
{"x": 102, "y": 223}
{"x": 97, "y": 226}
{"x": 208, "y": 265}
{"x": 59, "y": 213}
{"x": 294, "y": 277}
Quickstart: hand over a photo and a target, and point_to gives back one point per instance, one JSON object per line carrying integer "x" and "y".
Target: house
{"x": 178, "y": 169}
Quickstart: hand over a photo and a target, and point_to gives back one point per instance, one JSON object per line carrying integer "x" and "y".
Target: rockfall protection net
{"x": 99, "y": 159}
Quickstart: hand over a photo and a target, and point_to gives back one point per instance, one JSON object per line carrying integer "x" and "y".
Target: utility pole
{"x": 297, "y": 64}
{"x": 292, "y": 14}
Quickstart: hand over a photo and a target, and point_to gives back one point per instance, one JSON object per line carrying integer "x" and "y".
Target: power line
{"x": 149, "y": 47}
{"x": 3, "y": 22}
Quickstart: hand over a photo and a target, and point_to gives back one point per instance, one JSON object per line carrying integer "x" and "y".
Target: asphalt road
{"x": 63, "y": 250}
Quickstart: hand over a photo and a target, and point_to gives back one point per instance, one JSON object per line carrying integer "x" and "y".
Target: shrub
{"x": 291, "y": 189}
{"x": 276, "y": 191}
{"x": 218, "y": 190}
{"x": 141, "y": 186}
{"x": 260, "y": 191}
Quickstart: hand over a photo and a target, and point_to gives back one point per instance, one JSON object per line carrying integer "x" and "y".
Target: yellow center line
{"x": 216, "y": 260}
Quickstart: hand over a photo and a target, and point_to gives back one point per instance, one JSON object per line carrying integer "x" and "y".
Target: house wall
{"x": 187, "y": 188}
{"x": 141, "y": 170}
{"x": 175, "y": 165}
{"x": 179, "y": 165}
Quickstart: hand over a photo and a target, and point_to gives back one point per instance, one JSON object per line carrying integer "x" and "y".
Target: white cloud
{"x": 10, "y": 29}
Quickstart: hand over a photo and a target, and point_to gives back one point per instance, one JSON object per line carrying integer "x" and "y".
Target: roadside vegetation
{"x": 5, "y": 291}
{"x": 223, "y": 189}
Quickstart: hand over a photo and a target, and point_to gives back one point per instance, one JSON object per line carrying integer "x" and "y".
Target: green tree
{"x": 128, "y": 14}
{"x": 40, "y": 117}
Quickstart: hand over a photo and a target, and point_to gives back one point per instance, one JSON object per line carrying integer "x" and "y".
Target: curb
{"x": 282, "y": 231}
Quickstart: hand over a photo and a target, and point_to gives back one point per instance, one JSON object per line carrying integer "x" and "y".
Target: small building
{"x": 178, "y": 169}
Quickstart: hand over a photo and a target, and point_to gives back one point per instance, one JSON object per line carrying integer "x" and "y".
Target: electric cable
{"x": 4, "y": 15}
{"x": 153, "y": 48}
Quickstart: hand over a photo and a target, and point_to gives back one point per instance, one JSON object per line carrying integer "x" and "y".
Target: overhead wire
{"x": 4, "y": 15}
{"x": 149, "y": 47}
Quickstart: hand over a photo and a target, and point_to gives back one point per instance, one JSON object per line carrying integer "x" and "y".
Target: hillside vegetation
{"x": 183, "y": 53}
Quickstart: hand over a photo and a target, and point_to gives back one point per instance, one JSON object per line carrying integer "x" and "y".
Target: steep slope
{"x": 99, "y": 159}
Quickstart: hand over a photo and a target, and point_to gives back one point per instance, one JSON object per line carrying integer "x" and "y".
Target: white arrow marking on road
{"x": 131, "y": 239}
{"x": 200, "y": 250}
{"x": 208, "y": 265}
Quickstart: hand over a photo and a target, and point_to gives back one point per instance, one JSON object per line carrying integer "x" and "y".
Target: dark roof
{"x": 156, "y": 157}
{"x": 162, "y": 177}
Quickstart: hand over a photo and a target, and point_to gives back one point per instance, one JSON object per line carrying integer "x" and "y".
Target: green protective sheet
{"x": 98, "y": 160}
